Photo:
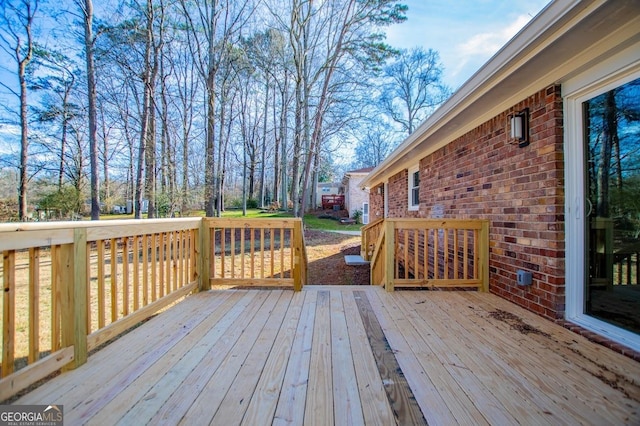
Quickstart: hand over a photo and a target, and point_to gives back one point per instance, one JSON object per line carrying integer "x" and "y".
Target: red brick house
{"x": 560, "y": 199}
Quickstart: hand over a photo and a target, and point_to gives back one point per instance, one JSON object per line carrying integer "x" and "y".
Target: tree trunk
{"x": 105, "y": 163}
{"x": 209, "y": 172}
{"x": 276, "y": 151}
{"x": 264, "y": 145}
{"x": 609, "y": 137}
{"x": 91, "y": 90}
{"x": 24, "y": 144}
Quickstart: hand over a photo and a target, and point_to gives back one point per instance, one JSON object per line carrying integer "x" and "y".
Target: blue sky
{"x": 466, "y": 33}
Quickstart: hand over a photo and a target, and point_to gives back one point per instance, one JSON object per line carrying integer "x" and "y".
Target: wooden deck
{"x": 277, "y": 357}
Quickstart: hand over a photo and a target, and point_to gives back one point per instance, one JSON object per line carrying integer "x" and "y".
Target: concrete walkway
{"x": 345, "y": 232}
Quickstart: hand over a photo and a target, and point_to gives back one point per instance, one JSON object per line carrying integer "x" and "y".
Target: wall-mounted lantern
{"x": 519, "y": 127}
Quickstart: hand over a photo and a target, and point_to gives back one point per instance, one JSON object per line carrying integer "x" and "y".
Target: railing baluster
{"x": 261, "y": 252}
{"x": 102, "y": 302}
{"x": 184, "y": 269}
{"x": 162, "y": 279}
{"x": 154, "y": 266}
{"x": 405, "y": 233}
{"x": 281, "y": 252}
{"x": 8, "y": 311}
{"x": 477, "y": 256}
{"x": 34, "y": 304}
{"x": 174, "y": 264}
{"x": 455, "y": 254}
{"x": 223, "y": 250}
{"x": 167, "y": 262}
{"x": 125, "y": 276}
{"x": 55, "y": 299}
{"x": 252, "y": 252}
{"x": 272, "y": 238}
{"x": 425, "y": 259}
{"x": 445, "y": 253}
{"x": 436, "y": 255}
{"x": 192, "y": 273}
{"x": 113, "y": 271}
{"x": 233, "y": 252}
{"x": 135, "y": 256}
{"x": 416, "y": 246}
{"x": 465, "y": 255}
{"x": 242, "y": 257}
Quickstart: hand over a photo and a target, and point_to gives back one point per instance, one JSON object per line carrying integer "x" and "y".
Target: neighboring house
{"x": 555, "y": 199}
{"x": 357, "y": 198}
{"x": 327, "y": 188}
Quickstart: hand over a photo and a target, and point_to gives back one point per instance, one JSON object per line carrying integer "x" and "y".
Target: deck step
{"x": 355, "y": 260}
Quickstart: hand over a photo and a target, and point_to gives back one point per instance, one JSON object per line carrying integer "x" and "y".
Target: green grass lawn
{"x": 310, "y": 221}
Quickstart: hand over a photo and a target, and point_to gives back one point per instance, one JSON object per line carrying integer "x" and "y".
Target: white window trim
{"x": 594, "y": 82}
{"x": 410, "y": 205}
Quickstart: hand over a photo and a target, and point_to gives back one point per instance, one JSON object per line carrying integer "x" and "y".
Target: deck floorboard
{"x": 277, "y": 357}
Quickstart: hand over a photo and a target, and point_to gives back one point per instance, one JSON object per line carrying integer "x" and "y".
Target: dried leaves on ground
{"x": 325, "y": 254}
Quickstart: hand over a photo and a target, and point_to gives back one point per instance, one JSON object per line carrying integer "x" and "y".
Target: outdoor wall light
{"x": 519, "y": 125}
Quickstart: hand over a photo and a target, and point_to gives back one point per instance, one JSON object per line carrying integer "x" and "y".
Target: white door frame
{"x": 605, "y": 76}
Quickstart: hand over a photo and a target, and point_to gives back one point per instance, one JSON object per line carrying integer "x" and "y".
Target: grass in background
{"x": 310, "y": 221}
{"x": 313, "y": 222}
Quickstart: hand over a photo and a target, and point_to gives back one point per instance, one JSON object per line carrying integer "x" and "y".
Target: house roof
{"x": 364, "y": 170}
{"x": 564, "y": 39}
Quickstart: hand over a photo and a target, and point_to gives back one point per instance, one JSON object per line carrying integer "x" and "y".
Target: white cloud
{"x": 486, "y": 44}
{"x": 475, "y": 51}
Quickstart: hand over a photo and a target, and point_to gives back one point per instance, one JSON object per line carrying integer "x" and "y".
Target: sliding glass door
{"x": 611, "y": 138}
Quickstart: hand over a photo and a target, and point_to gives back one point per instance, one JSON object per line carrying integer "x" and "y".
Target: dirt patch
{"x": 325, "y": 254}
{"x": 516, "y": 322}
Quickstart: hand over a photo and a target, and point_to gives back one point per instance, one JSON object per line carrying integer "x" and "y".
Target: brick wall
{"x": 376, "y": 202}
{"x": 520, "y": 190}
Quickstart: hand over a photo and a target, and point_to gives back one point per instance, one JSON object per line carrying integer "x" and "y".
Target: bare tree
{"x": 86, "y": 8}
{"x": 16, "y": 38}
{"x": 413, "y": 88}
{"x": 210, "y": 27}
{"x": 350, "y": 38}
{"x": 373, "y": 146}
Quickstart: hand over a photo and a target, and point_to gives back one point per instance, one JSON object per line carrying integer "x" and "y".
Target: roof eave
{"x": 462, "y": 111}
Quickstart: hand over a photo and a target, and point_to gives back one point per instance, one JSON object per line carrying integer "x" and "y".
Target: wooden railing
{"x": 434, "y": 253}
{"x": 72, "y": 286}
{"x": 369, "y": 236}
{"x": 255, "y": 252}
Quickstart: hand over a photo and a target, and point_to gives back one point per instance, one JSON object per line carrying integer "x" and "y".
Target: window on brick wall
{"x": 414, "y": 188}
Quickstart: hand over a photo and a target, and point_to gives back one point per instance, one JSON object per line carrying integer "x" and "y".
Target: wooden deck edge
{"x": 23, "y": 378}
{"x": 259, "y": 282}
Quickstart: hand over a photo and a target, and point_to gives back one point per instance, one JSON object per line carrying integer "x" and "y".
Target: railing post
{"x": 298, "y": 261}
{"x": 204, "y": 255}
{"x": 483, "y": 255}
{"x": 74, "y": 315}
{"x": 390, "y": 258}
